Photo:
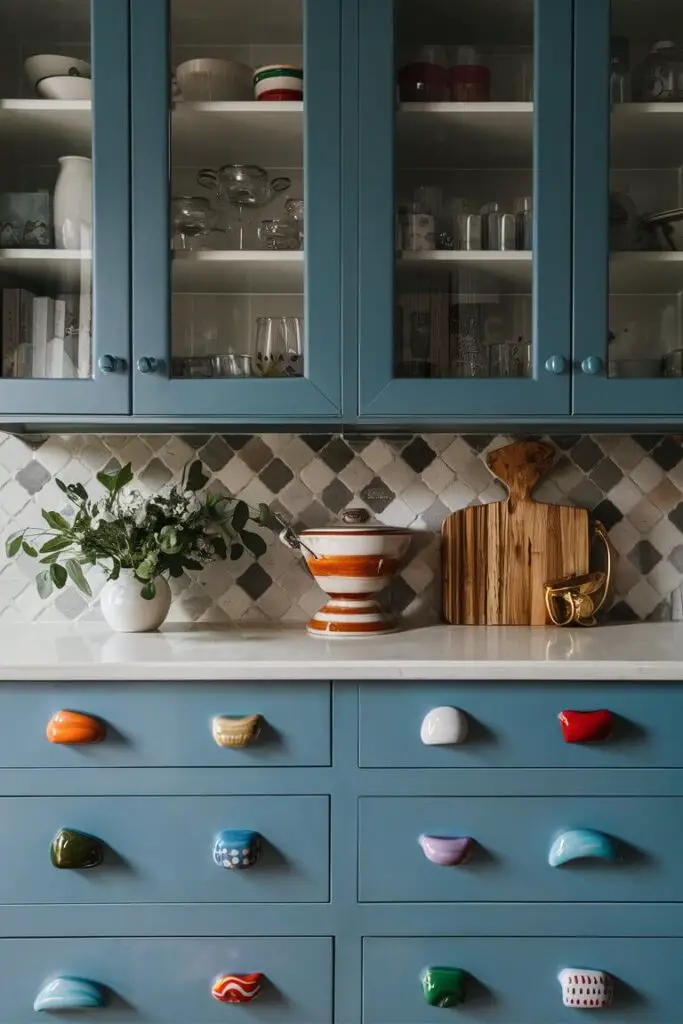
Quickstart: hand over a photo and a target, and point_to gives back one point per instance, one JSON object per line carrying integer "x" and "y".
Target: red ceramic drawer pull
{"x": 237, "y": 988}
{"x": 72, "y": 727}
{"x": 586, "y": 726}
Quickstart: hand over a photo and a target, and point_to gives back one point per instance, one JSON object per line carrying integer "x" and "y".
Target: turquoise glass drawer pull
{"x": 76, "y": 850}
{"x": 447, "y": 851}
{"x": 70, "y": 994}
{"x": 236, "y": 731}
{"x": 444, "y": 986}
{"x": 443, "y": 726}
{"x": 585, "y": 989}
{"x": 237, "y": 848}
{"x": 579, "y": 844}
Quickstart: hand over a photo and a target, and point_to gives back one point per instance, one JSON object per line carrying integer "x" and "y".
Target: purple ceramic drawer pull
{"x": 447, "y": 851}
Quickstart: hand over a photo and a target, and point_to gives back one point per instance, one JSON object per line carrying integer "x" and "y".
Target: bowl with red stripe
{"x": 278, "y": 83}
{"x": 352, "y": 561}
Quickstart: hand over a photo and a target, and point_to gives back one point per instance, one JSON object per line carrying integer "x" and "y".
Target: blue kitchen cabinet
{"x": 464, "y": 315}
{"x": 65, "y": 287}
{"x": 223, "y": 326}
{"x": 628, "y": 273}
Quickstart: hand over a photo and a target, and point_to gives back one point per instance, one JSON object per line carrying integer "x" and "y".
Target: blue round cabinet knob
{"x": 237, "y": 848}
{"x": 555, "y": 364}
{"x": 592, "y": 365}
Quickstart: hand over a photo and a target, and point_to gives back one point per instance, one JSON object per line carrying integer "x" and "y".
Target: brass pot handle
{"x": 576, "y": 592}
{"x": 601, "y": 532}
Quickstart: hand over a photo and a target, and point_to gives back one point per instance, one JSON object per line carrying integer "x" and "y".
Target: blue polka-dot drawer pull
{"x": 585, "y": 989}
{"x": 237, "y": 848}
{"x": 579, "y": 844}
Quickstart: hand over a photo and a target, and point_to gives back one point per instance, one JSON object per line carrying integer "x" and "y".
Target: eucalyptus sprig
{"x": 174, "y": 530}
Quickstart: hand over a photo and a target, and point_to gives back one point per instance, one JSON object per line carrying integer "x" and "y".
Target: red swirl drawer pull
{"x": 586, "y": 726}
{"x": 72, "y": 727}
{"x": 237, "y": 988}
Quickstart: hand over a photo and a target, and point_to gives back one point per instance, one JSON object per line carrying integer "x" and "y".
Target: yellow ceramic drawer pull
{"x": 72, "y": 727}
{"x": 231, "y": 731}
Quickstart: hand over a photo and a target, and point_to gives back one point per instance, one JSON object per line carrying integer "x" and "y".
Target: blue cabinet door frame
{"x": 106, "y": 394}
{"x": 381, "y": 395}
{"x": 317, "y": 396}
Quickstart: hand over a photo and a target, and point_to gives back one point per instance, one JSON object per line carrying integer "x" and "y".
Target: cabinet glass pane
{"x": 646, "y": 202}
{"x": 46, "y": 189}
{"x": 464, "y": 192}
{"x": 237, "y": 210}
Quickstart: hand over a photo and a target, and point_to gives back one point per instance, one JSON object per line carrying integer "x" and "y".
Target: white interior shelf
{"x": 646, "y": 273}
{"x": 507, "y": 272}
{"x": 269, "y": 134}
{"x": 465, "y": 134}
{"x": 647, "y": 134}
{"x": 49, "y": 128}
{"x": 243, "y": 272}
{"x": 56, "y": 269}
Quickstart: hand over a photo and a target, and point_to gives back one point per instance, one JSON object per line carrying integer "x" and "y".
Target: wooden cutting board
{"x": 497, "y": 557}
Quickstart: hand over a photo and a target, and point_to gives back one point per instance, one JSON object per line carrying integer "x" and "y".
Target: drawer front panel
{"x": 516, "y": 725}
{"x": 514, "y": 981}
{"x": 160, "y": 849}
{"x": 513, "y": 837}
{"x": 168, "y": 981}
{"x": 152, "y": 725}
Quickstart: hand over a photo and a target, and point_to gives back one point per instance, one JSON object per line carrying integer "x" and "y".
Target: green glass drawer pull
{"x": 444, "y": 986}
{"x": 74, "y": 850}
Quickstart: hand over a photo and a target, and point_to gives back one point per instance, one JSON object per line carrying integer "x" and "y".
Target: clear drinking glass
{"x": 278, "y": 346}
{"x": 191, "y": 217}
{"x": 280, "y": 234}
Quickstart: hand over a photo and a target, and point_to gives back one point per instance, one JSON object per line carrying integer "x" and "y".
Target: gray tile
{"x": 316, "y": 442}
{"x": 377, "y": 495}
{"x": 33, "y": 477}
{"x": 276, "y": 475}
{"x": 662, "y": 612}
{"x": 337, "y": 454}
{"x": 676, "y": 557}
{"x": 586, "y": 454}
{"x": 668, "y": 453}
{"x": 608, "y": 513}
{"x": 399, "y": 595}
{"x": 648, "y": 441}
{"x": 70, "y": 603}
{"x": 155, "y": 475}
{"x": 237, "y": 441}
{"x": 435, "y": 515}
{"x": 216, "y": 453}
{"x": 585, "y": 494}
{"x": 418, "y": 454}
{"x": 478, "y": 441}
{"x": 606, "y": 475}
{"x": 336, "y": 496}
{"x": 113, "y": 466}
{"x": 644, "y": 556}
{"x": 254, "y": 581}
{"x": 676, "y": 516}
{"x": 257, "y": 454}
{"x": 316, "y": 515}
{"x": 196, "y": 441}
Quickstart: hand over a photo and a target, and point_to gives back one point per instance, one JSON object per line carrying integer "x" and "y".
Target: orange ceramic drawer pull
{"x": 71, "y": 727}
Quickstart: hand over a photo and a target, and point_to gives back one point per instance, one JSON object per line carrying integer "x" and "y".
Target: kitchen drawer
{"x": 513, "y": 836}
{"x": 515, "y": 981}
{"x": 515, "y": 725}
{"x": 160, "y": 849}
{"x": 157, "y": 725}
{"x": 168, "y": 980}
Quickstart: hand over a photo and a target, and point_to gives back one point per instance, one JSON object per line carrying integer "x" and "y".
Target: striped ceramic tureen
{"x": 351, "y": 561}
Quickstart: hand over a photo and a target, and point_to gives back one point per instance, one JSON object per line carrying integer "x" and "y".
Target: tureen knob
{"x": 355, "y": 515}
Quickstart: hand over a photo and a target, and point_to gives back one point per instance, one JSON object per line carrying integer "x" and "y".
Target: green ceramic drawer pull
{"x": 75, "y": 850}
{"x": 444, "y": 986}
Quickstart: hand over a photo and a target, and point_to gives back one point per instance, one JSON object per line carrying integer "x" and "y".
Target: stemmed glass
{"x": 278, "y": 346}
{"x": 242, "y": 186}
{"x": 191, "y": 217}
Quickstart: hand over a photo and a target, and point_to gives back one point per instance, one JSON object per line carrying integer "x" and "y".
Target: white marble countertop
{"x": 93, "y": 652}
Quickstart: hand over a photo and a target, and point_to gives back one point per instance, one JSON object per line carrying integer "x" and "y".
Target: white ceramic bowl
{"x": 206, "y": 80}
{"x": 50, "y": 65}
{"x": 65, "y": 87}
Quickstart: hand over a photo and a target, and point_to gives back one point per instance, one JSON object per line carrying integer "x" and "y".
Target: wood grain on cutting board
{"x": 497, "y": 557}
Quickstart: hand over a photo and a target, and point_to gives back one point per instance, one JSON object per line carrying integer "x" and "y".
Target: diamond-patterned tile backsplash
{"x": 633, "y": 484}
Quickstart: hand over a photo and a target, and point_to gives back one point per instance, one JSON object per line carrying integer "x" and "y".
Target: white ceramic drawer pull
{"x": 443, "y": 726}
{"x": 236, "y": 731}
{"x": 584, "y": 989}
{"x": 69, "y": 993}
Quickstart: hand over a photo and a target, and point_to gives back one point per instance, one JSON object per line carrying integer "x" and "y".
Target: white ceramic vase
{"x": 72, "y": 205}
{"x": 127, "y": 611}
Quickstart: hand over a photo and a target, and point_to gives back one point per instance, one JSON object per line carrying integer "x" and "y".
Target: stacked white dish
{"x": 56, "y": 77}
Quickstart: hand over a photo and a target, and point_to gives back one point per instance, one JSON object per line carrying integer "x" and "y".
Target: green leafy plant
{"x": 179, "y": 528}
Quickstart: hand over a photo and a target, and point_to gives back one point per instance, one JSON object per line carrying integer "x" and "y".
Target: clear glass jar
{"x": 279, "y": 234}
{"x": 659, "y": 79}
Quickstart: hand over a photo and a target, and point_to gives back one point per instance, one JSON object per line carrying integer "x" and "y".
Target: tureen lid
{"x": 354, "y": 520}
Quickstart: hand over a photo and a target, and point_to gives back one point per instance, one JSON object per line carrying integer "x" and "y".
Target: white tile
{"x": 438, "y": 476}
{"x": 643, "y": 599}
{"x": 665, "y": 536}
{"x": 295, "y": 497}
{"x": 477, "y": 475}
{"x": 235, "y": 602}
{"x": 495, "y": 492}
{"x": 312, "y": 601}
{"x": 647, "y": 474}
{"x": 176, "y": 454}
{"x": 397, "y": 514}
{"x": 418, "y": 497}
{"x": 55, "y": 455}
{"x": 137, "y": 453}
{"x": 626, "y": 452}
{"x": 625, "y": 495}
{"x": 295, "y": 614}
{"x": 457, "y": 495}
{"x": 296, "y": 454}
{"x": 397, "y": 475}
{"x": 625, "y": 577}
{"x": 296, "y": 581}
{"x": 458, "y": 455}
{"x": 567, "y": 478}
{"x": 645, "y": 515}
{"x": 14, "y": 454}
{"x": 357, "y": 475}
{"x": 418, "y": 575}
{"x": 275, "y": 602}
{"x": 664, "y": 578}
{"x": 316, "y": 476}
{"x": 254, "y": 493}
{"x": 279, "y": 441}
{"x": 624, "y": 536}
{"x": 377, "y": 455}
{"x": 236, "y": 475}
{"x": 13, "y": 497}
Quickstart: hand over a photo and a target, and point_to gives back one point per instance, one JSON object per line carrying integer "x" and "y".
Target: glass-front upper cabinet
{"x": 628, "y": 271}
{"x": 64, "y": 204}
{"x": 236, "y": 208}
{"x": 465, "y": 156}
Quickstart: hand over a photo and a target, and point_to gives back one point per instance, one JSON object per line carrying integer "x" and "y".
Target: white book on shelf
{"x": 84, "y": 354}
{"x": 59, "y": 359}
{"x": 42, "y": 333}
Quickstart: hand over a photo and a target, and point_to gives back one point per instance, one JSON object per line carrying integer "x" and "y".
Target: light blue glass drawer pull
{"x": 237, "y": 848}
{"x": 70, "y": 994}
{"x": 447, "y": 851}
{"x": 580, "y": 843}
